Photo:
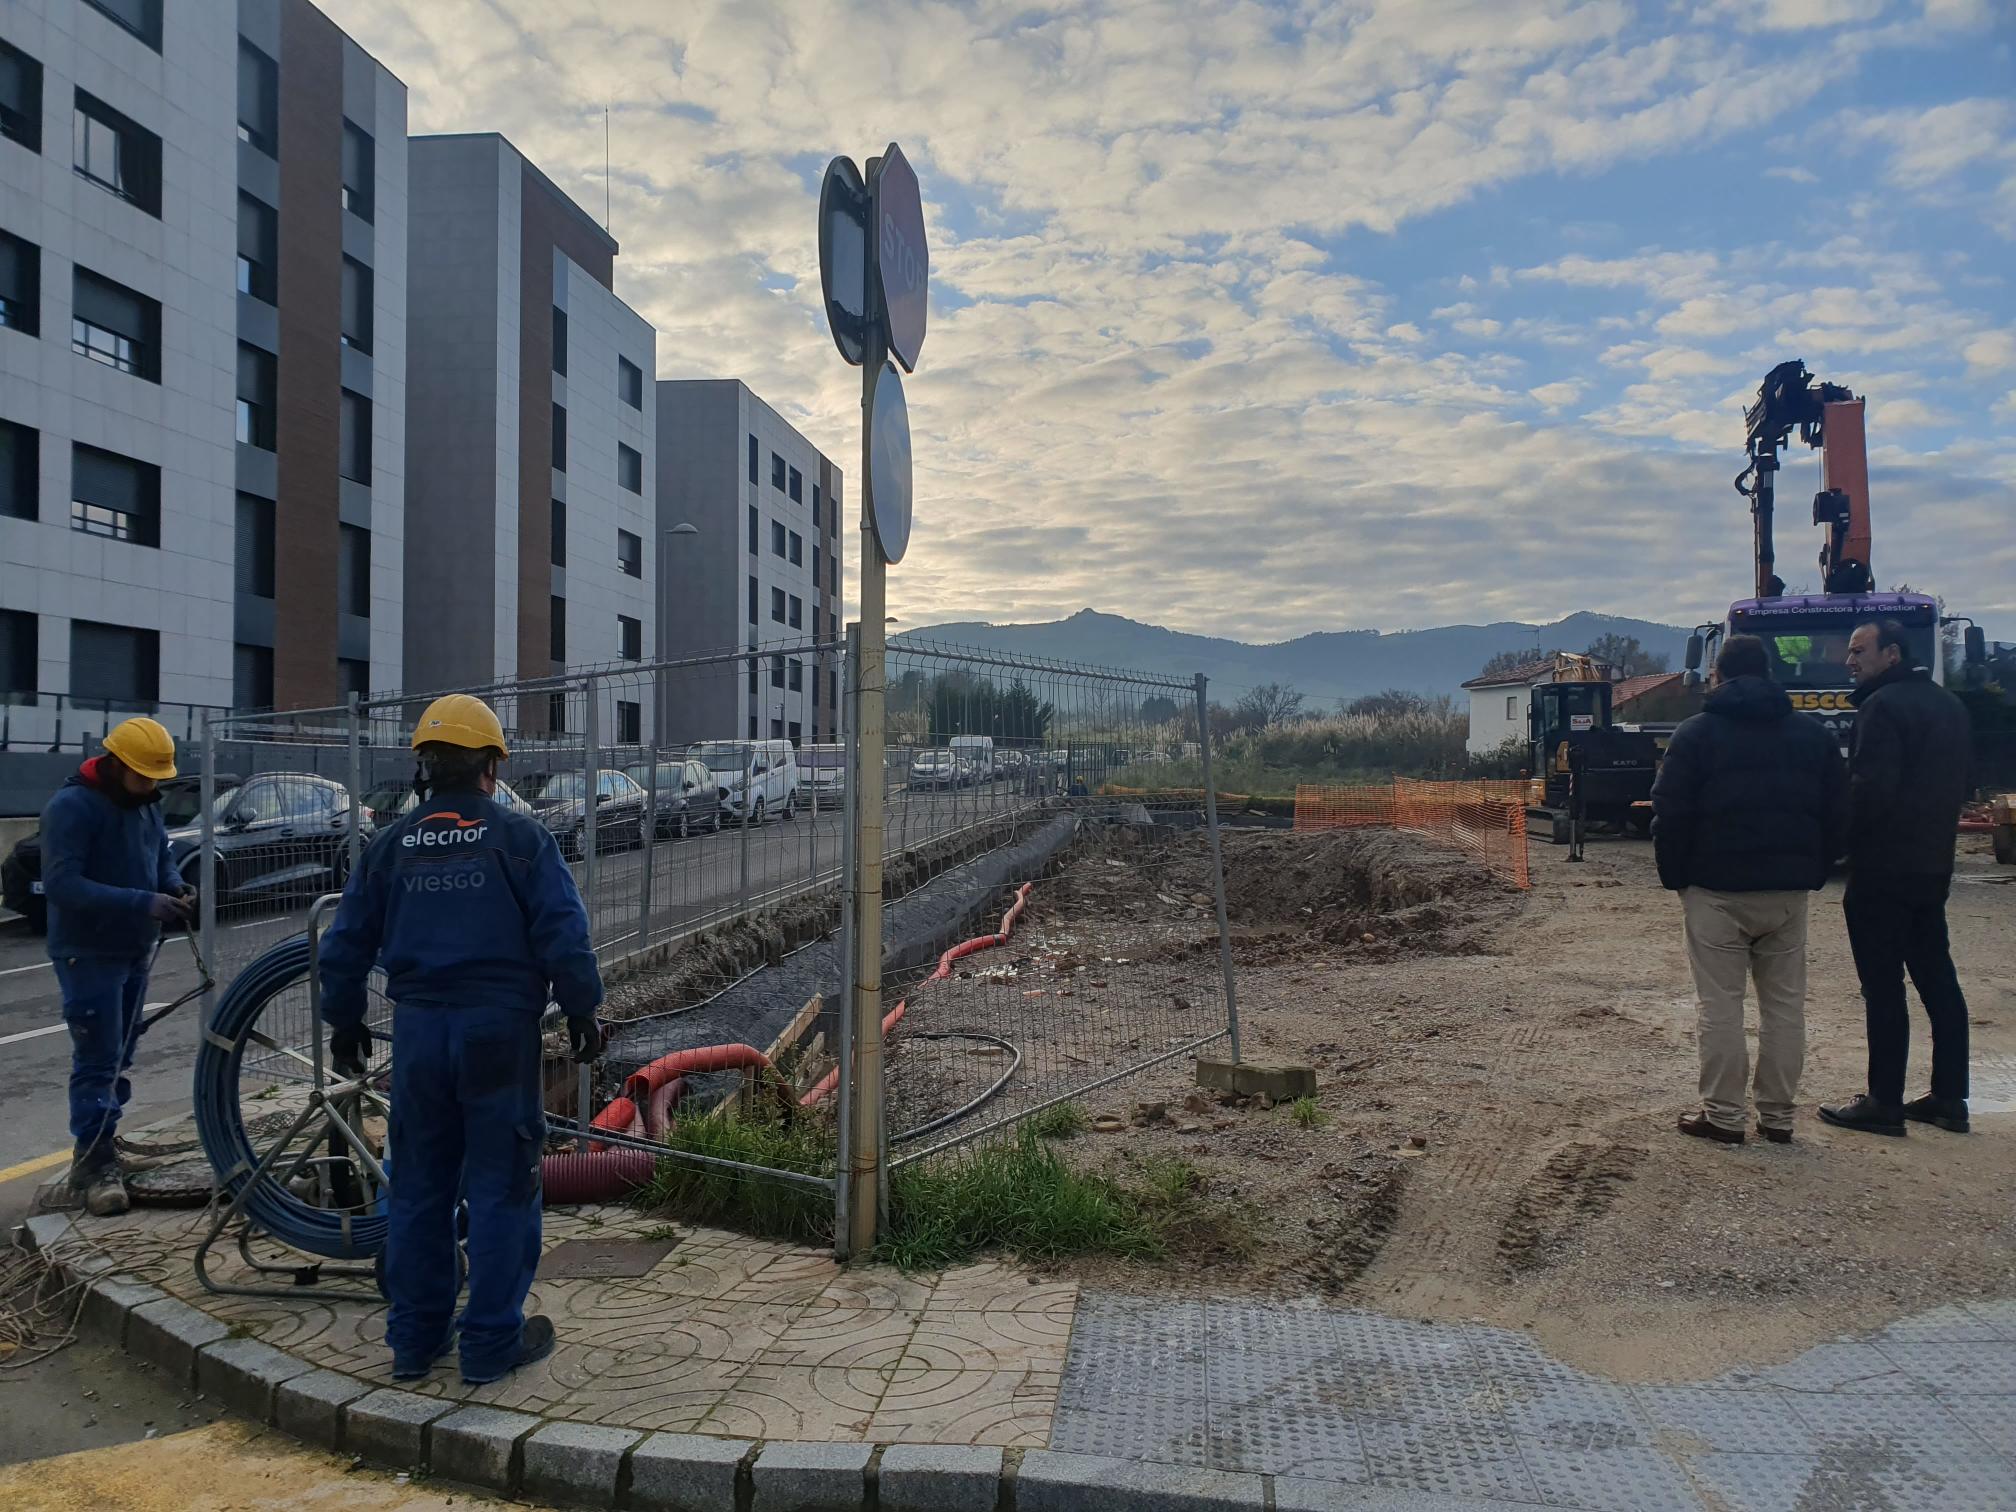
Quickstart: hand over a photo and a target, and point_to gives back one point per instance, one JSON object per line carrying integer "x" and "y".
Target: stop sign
{"x": 902, "y": 259}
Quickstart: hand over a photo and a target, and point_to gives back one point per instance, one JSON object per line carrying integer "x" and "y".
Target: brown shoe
{"x": 1702, "y": 1127}
{"x": 1776, "y": 1136}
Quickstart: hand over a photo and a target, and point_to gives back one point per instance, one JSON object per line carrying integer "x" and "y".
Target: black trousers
{"x": 1898, "y": 924}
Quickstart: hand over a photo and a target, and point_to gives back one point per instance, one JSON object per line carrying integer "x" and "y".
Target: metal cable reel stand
{"x": 319, "y": 1189}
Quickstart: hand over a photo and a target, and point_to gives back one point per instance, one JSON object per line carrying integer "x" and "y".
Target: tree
{"x": 1386, "y": 703}
{"x": 1625, "y": 656}
{"x": 1507, "y": 662}
{"x": 1158, "y": 709}
{"x": 1267, "y": 705}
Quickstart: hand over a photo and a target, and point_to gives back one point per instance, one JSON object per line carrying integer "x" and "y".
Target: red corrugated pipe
{"x": 958, "y": 952}
{"x": 594, "y": 1176}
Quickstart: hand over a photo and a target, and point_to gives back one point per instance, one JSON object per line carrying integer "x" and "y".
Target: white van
{"x": 977, "y": 751}
{"x": 823, "y": 770}
{"x": 760, "y": 776}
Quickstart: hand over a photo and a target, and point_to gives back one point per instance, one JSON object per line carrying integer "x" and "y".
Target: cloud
{"x": 1194, "y": 355}
{"x": 1792, "y": 174}
{"x": 1991, "y": 352}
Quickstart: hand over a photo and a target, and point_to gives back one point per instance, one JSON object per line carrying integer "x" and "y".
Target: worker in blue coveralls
{"x": 111, "y": 887}
{"x": 475, "y": 918}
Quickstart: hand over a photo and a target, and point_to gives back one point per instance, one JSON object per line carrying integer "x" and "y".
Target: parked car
{"x": 21, "y": 872}
{"x": 936, "y": 769}
{"x": 505, "y": 794}
{"x": 977, "y": 751}
{"x": 388, "y": 801}
{"x": 557, "y": 800}
{"x": 688, "y": 796}
{"x": 276, "y": 835}
{"x": 757, "y": 777}
{"x": 823, "y": 771}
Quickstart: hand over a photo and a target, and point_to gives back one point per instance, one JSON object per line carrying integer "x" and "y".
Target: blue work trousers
{"x": 102, "y": 999}
{"x": 468, "y": 1121}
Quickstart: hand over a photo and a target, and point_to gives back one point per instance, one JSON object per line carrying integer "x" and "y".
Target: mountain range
{"x": 1324, "y": 665}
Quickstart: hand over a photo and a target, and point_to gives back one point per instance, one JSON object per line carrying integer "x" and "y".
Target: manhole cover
{"x": 603, "y": 1259}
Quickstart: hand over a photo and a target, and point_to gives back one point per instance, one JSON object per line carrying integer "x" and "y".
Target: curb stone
{"x": 577, "y": 1462}
{"x": 811, "y": 1477}
{"x": 1052, "y": 1482}
{"x": 245, "y": 1374}
{"x": 169, "y": 1333}
{"x": 389, "y": 1427}
{"x": 310, "y": 1407}
{"x": 479, "y": 1446}
{"x": 939, "y": 1478}
{"x": 686, "y": 1472}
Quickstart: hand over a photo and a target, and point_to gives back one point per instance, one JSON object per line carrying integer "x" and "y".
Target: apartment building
{"x": 531, "y": 460}
{"x": 202, "y": 310}
{"x": 762, "y": 570}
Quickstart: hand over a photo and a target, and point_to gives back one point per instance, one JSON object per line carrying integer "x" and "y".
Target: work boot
{"x": 406, "y": 1368}
{"x": 134, "y": 1158}
{"x": 1701, "y": 1126}
{"x": 535, "y": 1342}
{"x": 1948, "y": 1113}
{"x": 1867, "y": 1116}
{"x": 94, "y": 1177}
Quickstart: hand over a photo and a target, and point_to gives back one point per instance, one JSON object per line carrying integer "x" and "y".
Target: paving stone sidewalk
{"x": 735, "y": 1362}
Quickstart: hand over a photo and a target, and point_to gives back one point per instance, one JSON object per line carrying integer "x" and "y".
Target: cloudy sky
{"x": 1259, "y": 318}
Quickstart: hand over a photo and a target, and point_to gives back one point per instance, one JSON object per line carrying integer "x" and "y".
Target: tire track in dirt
{"x": 1573, "y": 1188}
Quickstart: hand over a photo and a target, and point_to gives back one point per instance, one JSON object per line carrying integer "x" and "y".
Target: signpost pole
{"x": 865, "y": 1143}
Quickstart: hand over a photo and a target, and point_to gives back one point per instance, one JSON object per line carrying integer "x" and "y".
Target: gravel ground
{"x": 1499, "y": 1077}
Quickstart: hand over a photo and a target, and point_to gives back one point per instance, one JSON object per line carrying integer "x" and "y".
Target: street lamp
{"x": 685, "y": 529}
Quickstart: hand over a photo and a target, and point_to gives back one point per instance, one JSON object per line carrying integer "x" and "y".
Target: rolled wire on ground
{"x": 347, "y": 1234}
{"x": 965, "y": 1109}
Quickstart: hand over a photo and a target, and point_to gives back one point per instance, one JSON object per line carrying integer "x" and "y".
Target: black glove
{"x": 587, "y": 1038}
{"x": 349, "y": 1050}
{"x": 164, "y": 908}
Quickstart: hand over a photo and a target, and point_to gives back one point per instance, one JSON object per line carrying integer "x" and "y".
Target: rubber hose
{"x": 603, "y": 1176}
{"x": 658, "y": 1111}
{"x": 220, "y": 1121}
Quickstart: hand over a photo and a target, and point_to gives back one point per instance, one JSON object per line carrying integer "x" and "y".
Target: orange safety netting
{"x": 1483, "y": 818}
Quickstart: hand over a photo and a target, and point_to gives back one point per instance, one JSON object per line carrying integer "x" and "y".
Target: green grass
{"x": 1018, "y": 1197}
{"x": 739, "y": 1199}
{"x": 1306, "y": 1114}
{"x": 1060, "y": 1121}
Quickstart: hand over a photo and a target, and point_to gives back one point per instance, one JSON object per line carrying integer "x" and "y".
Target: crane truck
{"x": 1806, "y": 634}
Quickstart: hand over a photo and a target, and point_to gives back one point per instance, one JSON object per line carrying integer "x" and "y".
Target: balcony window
{"x": 115, "y": 666}
{"x": 140, "y": 17}
{"x": 115, "y": 325}
{"x": 254, "y": 557}
{"x": 556, "y": 633}
{"x": 20, "y": 471}
{"x": 360, "y": 172}
{"x": 629, "y": 637}
{"x": 257, "y": 387}
{"x": 559, "y": 341}
{"x": 629, "y": 554}
{"x": 358, "y": 292}
{"x": 353, "y": 570}
{"x": 354, "y": 438}
{"x": 629, "y": 468}
{"x": 630, "y": 383}
{"x": 20, "y": 285}
{"x": 258, "y": 99}
{"x": 258, "y": 249}
{"x": 559, "y": 544}
{"x": 20, "y": 98}
{"x": 116, "y": 153}
{"x": 115, "y": 497}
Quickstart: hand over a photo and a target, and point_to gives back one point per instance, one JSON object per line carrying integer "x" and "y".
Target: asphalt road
{"x": 693, "y": 880}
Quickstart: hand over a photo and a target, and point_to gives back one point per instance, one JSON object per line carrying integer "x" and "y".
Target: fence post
{"x": 1217, "y": 864}
{"x": 843, "y": 1052}
{"x": 650, "y": 850}
{"x": 591, "y": 741}
{"x": 356, "y": 782}
{"x": 869, "y": 1166}
{"x": 206, "y": 861}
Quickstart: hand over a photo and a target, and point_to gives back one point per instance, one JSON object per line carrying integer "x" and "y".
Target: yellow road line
{"x": 30, "y": 1167}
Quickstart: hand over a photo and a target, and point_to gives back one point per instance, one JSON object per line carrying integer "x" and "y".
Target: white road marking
{"x": 58, "y": 1028}
{"x": 35, "y": 966}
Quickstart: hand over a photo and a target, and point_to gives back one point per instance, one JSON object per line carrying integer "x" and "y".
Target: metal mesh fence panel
{"x": 1079, "y": 941}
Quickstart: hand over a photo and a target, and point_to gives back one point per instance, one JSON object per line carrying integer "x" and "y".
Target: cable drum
{"x": 347, "y": 1233}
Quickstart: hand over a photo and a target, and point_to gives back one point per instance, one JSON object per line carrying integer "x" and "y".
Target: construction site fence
{"x": 1485, "y": 818}
{"x": 702, "y": 806}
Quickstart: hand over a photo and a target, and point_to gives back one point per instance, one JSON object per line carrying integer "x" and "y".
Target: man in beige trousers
{"x": 1749, "y": 811}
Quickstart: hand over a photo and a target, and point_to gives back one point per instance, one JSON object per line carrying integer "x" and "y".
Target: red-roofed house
{"x": 1498, "y": 703}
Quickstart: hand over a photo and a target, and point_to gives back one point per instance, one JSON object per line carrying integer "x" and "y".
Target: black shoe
{"x": 1948, "y": 1113}
{"x": 1774, "y": 1136}
{"x": 1867, "y": 1115}
{"x": 535, "y": 1342}
{"x": 414, "y": 1369}
{"x": 1701, "y": 1126}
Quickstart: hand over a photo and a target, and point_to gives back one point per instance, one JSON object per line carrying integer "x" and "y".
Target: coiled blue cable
{"x": 220, "y": 1121}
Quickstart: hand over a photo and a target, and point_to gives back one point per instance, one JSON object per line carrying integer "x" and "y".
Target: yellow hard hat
{"x": 461, "y": 719}
{"x": 143, "y": 746}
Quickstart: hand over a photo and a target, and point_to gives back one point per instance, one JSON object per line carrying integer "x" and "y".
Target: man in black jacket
{"x": 1908, "y": 779}
{"x": 1749, "y": 810}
